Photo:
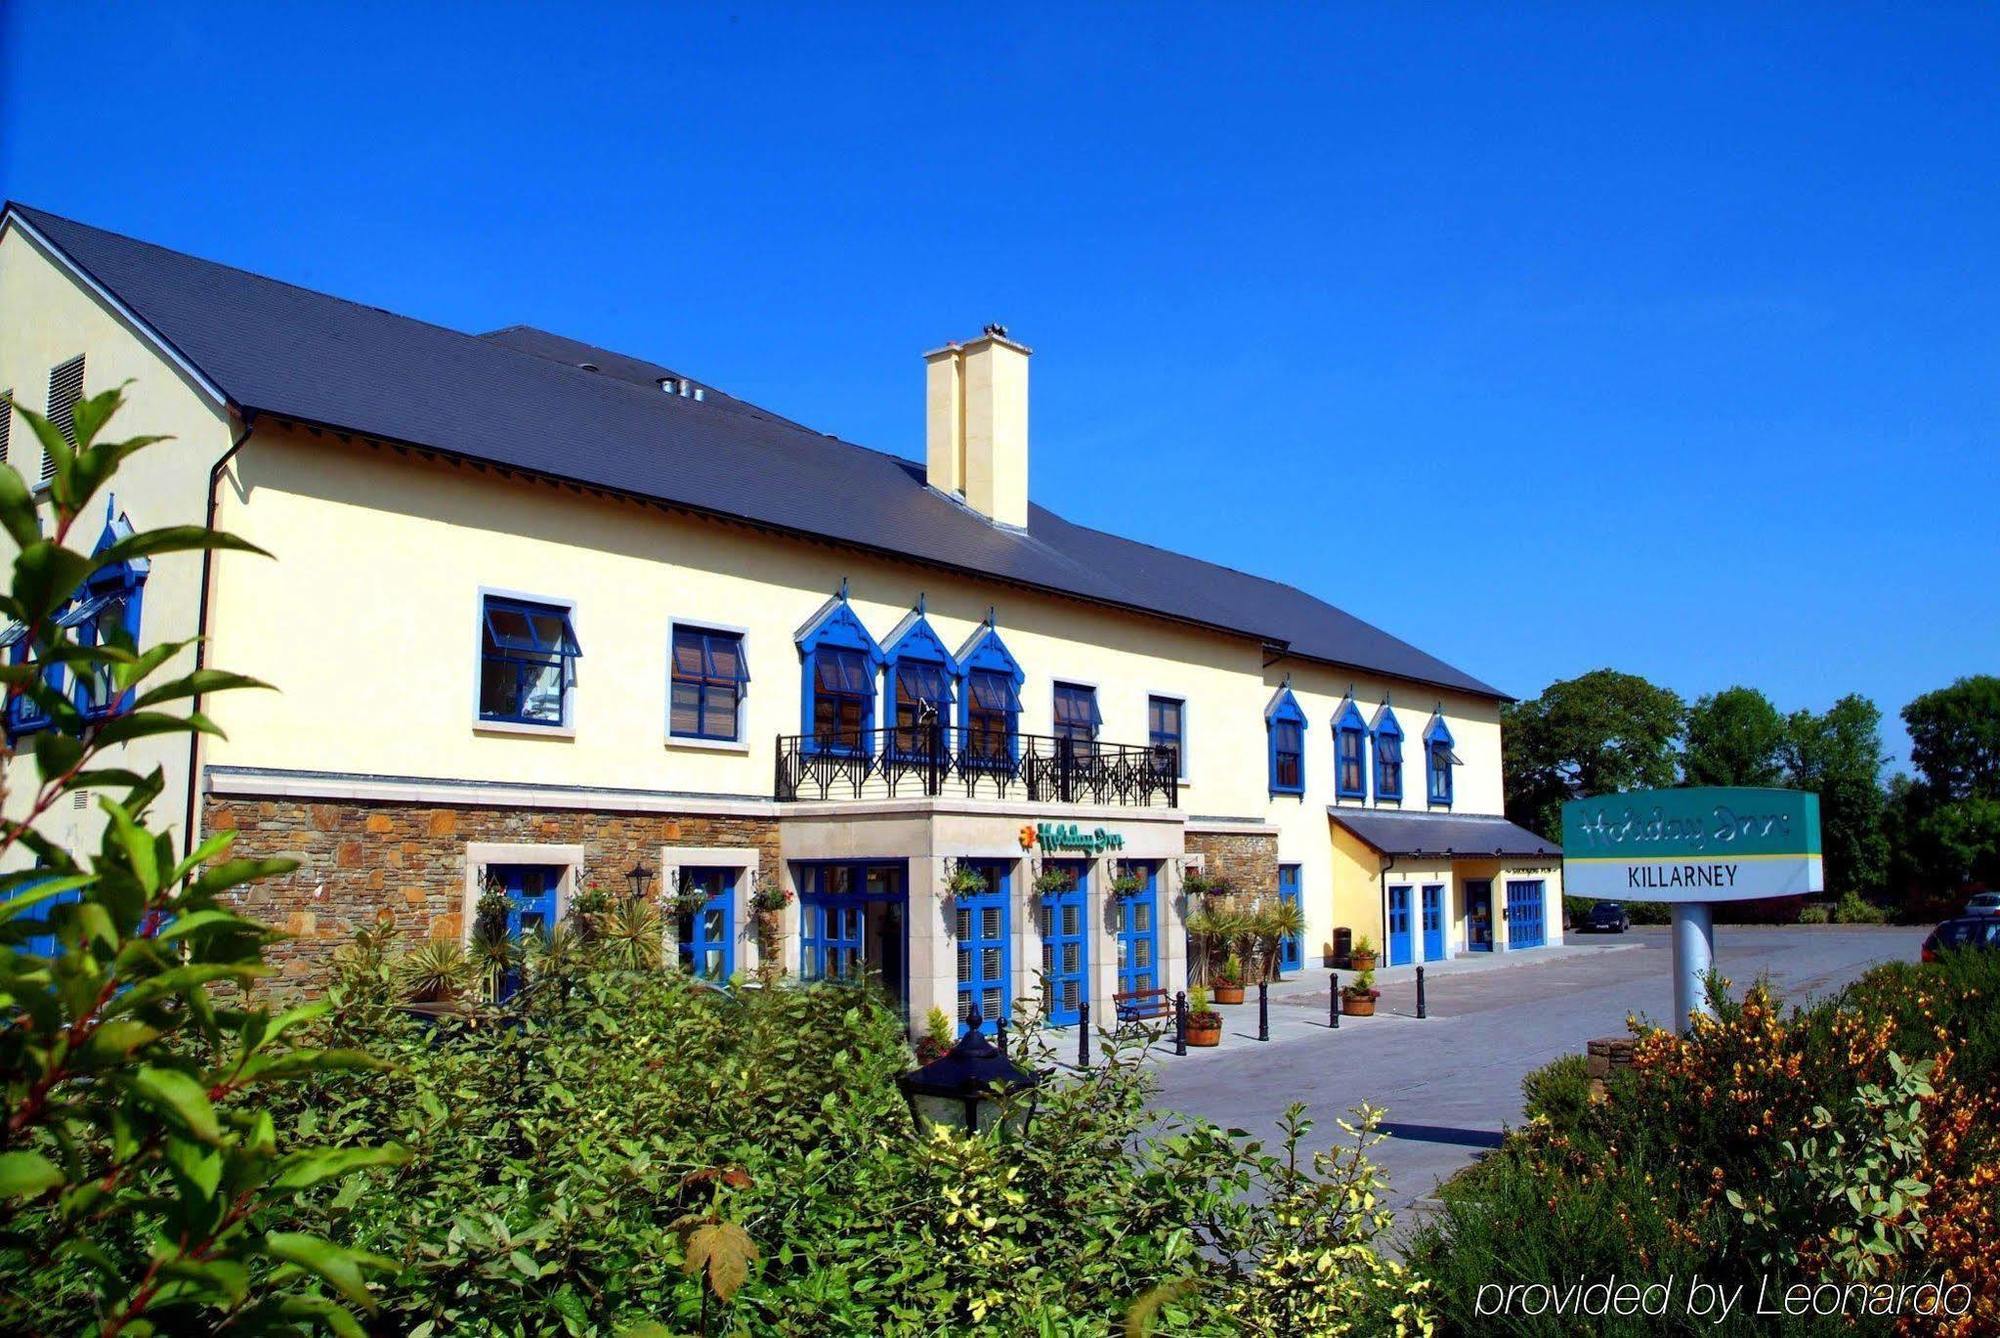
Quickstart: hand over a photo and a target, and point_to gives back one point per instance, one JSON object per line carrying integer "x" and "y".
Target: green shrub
{"x": 1855, "y": 909}
{"x": 1816, "y": 914}
{"x": 1558, "y": 1092}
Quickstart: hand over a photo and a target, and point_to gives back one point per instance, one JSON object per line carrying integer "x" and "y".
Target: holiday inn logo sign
{"x": 1056, "y": 836}
{"x": 1704, "y": 843}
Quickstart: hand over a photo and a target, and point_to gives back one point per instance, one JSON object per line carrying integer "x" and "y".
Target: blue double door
{"x": 1406, "y": 919}
{"x": 1065, "y": 929}
{"x": 852, "y": 923}
{"x": 1401, "y": 951}
{"x": 985, "y": 948}
{"x": 1139, "y": 932}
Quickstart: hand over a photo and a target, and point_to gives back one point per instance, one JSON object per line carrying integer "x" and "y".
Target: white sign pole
{"x": 1694, "y": 957}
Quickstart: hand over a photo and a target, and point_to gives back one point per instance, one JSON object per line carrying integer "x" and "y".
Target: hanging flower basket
{"x": 1127, "y": 884}
{"x": 964, "y": 881}
{"x": 1054, "y": 882}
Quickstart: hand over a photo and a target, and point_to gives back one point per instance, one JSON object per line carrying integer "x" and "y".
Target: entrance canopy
{"x": 1449, "y": 835}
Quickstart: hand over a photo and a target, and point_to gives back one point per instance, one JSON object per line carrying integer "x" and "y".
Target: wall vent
{"x": 6, "y": 422}
{"x": 65, "y": 389}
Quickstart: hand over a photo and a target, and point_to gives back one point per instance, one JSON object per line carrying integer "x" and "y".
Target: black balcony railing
{"x": 925, "y": 761}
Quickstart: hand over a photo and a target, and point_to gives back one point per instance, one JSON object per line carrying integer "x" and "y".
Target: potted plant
{"x": 1055, "y": 882}
{"x": 962, "y": 880}
{"x": 688, "y": 900}
{"x": 1204, "y": 934}
{"x": 1204, "y": 1024}
{"x": 1358, "y": 999}
{"x": 1361, "y": 956}
{"x": 1229, "y": 981}
{"x": 1127, "y": 881}
{"x": 940, "y": 1032}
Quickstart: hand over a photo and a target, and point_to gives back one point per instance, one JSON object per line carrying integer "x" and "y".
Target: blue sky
{"x": 1546, "y": 337}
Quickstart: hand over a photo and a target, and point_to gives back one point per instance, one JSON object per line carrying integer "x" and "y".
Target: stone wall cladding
{"x": 358, "y": 858}
{"x": 1249, "y": 860}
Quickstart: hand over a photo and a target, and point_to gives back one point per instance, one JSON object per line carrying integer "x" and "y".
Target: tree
{"x": 139, "y": 1160}
{"x": 1839, "y": 757}
{"x": 1955, "y": 738}
{"x": 1734, "y": 737}
{"x": 1596, "y": 734}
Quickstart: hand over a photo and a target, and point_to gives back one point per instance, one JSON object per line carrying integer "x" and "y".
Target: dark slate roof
{"x": 1461, "y": 834}
{"x": 517, "y": 397}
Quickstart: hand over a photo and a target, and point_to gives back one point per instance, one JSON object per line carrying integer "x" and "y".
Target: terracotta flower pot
{"x": 1227, "y": 994}
{"x": 1362, "y": 961}
{"x": 1357, "y": 1005}
{"x": 1204, "y": 1029}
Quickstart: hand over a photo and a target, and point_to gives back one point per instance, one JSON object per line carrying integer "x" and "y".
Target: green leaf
{"x": 17, "y": 508}
{"x": 26, "y": 1174}
{"x": 171, "y": 539}
{"x": 40, "y": 892}
{"x": 322, "y": 1257}
{"x": 196, "y": 684}
{"x": 205, "y": 919}
{"x": 174, "y": 1091}
{"x": 335, "y": 1317}
{"x": 202, "y": 1167}
{"x": 302, "y": 1170}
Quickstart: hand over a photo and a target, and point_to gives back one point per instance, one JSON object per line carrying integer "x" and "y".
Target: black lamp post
{"x": 969, "y": 1086}
{"x": 639, "y": 875}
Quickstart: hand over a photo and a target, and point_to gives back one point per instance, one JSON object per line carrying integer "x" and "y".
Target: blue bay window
{"x": 990, "y": 702}
{"x": 839, "y": 660}
{"x": 1285, "y": 724}
{"x": 1388, "y": 756}
{"x": 1439, "y": 760}
{"x": 527, "y": 662}
{"x": 104, "y": 611}
{"x": 709, "y": 674}
{"x": 1077, "y": 719}
{"x": 1350, "y": 754}
{"x": 922, "y": 681}
{"x": 1166, "y": 721}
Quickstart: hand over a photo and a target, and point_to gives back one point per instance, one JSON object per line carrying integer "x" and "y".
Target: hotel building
{"x": 541, "y": 613}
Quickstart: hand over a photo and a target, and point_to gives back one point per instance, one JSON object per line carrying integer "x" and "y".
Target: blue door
{"x": 1434, "y": 923}
{"x": 979, "y": 922}
{"x": 1479, "y": 915}
{"x": 1139, "y": 931}
{"x": 46, "y": 943}
{"x": 1292, "y": 947}
{"x": 1066, "y": 944}
{"x": 1526, "y": 922}
{"x": 1399, "y": 926}
{"x": 531, "y": 897}
{"x": 830, "y": 940}
{"x": 708, "y": 937}
{"x": 852, "y": 924}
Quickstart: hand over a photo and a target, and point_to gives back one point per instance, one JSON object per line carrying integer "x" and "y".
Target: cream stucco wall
{"x": 47, "y": 318}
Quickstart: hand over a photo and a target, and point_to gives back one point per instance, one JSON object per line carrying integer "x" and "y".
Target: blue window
{"x": 527, "y": 665}
{"x": 839, "y": 661}
{"x": 920, "y": 691}
{"x": 1292, "y": 947}
{"x": 1438, "y": 761}
{"x": 707, "y": 938}
{"x": 990, "y": 704}
{"x": 709, "y": 672}
{"x": 1166, "y": 719}
{"x": 25, "y": 715}
{"x": 1388, "y": 756}
{"x": 985, "y": 949}
{"x": 1077, "y": 718}
{"x": 1350, "y": 754}
{"x": 852, "y": 923}
{"x": 104, "y": 611}
{"x": 1286, "y": 725}
{"x": 105, "y": 619}
{"x": 530, "y": 890}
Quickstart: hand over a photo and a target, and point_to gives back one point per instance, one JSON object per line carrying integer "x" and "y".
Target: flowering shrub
{"x": 1852, "y": 1141}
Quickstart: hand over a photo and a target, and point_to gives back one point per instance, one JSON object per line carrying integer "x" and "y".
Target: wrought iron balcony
{"x": 926, "y": 761}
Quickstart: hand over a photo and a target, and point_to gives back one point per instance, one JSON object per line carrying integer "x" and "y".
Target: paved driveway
{"x": 1450, "y": 1083}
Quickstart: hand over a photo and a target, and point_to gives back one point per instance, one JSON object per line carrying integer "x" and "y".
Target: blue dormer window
{"x": 1439, "y": 759}
{"x": 1350, "y": 754}
{"x": 990, "y": 704}
{"x": 923, "y": 680}
{"x": 1388, "y": 757}
{"x": 839, "y": 661}
{"x": 104, "y": 611}
{"x": 527, "y": 664}
{"x": 1285, "y": 726}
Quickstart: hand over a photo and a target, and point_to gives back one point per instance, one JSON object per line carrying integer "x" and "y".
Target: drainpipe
{"x": 201, "y": 622}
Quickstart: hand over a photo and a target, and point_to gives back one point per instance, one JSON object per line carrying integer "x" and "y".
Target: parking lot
{"x": 1452, "y": 1081}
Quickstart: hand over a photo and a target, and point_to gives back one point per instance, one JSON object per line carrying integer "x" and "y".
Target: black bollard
{"x": 1333, "y": 1000}
{"x": 1263, "y": 1010}
{"x": 1180, "y": 1022}
{"x": 1000, "y": 1034}
{"x": 1083, "y": 1034}
{"x": 1421, "y": 1012}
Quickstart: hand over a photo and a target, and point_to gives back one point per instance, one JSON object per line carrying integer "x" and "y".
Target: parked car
{"x": 1983, "y": 903}
{"x": 1606, "y": 917}
{"x": 1967, "y": 931}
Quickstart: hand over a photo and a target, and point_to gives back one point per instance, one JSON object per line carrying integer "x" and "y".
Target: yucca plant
{"x": 632, "y": 935}
{"x": 437, "y": 971}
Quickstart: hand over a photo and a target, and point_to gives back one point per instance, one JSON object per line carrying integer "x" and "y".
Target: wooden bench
{"x": 1141, "y": 1005}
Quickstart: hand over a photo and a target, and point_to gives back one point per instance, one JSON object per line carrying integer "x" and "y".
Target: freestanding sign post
{"x": 1692, "y": 848}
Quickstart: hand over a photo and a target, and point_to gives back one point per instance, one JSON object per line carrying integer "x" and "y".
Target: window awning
{"x": 1453, "y": 835}
{"x": 1078, "y": 706}
{"x": 530, "y": 629}
{"x": 922, "y": 681}
{"x": 12, "y": 633}
{"x": 837, "y": 669}
{"x": 84, "y": 611}
{"x": 715, "y": 656}
{"x": 993, "y": 692}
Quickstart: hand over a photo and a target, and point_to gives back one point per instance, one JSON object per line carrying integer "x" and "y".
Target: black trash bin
{"x": 1343, "y": 947}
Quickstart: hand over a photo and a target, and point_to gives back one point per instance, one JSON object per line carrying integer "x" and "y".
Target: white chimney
{"x": 976, "y": 424}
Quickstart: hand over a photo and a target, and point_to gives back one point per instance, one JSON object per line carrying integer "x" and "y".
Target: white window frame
{"x": 741, "y": 743}
{"x": 479, "y": 854}
{"x": 567, "y": 729}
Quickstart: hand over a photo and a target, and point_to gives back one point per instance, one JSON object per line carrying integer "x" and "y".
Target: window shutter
{"x": 6, "y": 421}
{"x": 65, "y": 389}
